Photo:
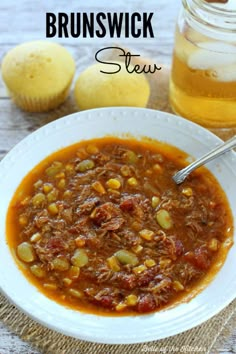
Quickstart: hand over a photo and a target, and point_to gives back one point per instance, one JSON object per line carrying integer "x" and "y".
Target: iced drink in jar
{"x": 203, "y": 77}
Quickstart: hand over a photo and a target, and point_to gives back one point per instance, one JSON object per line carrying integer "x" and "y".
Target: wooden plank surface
{"x": 25, "y": 20}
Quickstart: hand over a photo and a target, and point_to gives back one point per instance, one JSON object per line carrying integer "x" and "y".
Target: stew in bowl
{"x": 101, "y": 227}
{"x": 98, "y": 241}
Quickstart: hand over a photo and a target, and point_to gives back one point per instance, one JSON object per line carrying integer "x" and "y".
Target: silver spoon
{"x": 180, "y": 176}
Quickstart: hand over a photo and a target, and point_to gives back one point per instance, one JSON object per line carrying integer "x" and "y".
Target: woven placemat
{"x": 198, "y": 340}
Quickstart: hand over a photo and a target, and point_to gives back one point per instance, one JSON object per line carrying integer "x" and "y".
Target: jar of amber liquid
{"x": 203, "y": 77}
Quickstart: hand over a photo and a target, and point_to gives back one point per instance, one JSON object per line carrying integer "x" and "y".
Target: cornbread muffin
{"x": 38, "y": 75}
{"x": 95, "y": 89}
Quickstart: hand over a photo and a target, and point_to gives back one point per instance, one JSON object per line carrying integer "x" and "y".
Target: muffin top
{"x": 94, "y": 88}
{"x": 38, "y": 69}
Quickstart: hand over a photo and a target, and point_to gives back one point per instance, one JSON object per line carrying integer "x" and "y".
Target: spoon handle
{"x": 180, "y": 176}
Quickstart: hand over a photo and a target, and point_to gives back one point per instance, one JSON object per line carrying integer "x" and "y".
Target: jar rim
{"x": 207, "y": 14}
{"x": 216, "y": 10}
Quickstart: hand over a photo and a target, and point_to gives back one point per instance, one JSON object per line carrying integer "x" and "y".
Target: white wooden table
{"x": 24, "y": 20}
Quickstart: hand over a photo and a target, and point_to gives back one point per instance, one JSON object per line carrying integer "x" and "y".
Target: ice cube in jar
{"x": 203, "y": 76}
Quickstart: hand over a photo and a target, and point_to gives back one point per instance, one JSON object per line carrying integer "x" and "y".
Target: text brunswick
{"x": 99, "y": 25}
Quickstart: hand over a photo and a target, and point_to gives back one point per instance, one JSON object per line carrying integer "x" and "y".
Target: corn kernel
{"x": 113, "y": 191}
{"x": 80, "y": 242}
{"x": 74, "y": 272}
{"x": 188, "y": 192}
{"x": 150, "y": 263}
{"x": 35, "y": 237}
{"x": 164, "y": 262}
{"x": 139, "y": 269}
{"x": 121, "y": 306}
{"x": 47, "y": 187}
{"x": 113, "y": 183}
{"x": 98, "y": 187}
{"x": 23, "y": 220}
{"x": 146, "y": 234}
{"x": 155, "y": 202}
{"x": 67, "y": 281}
{"x": 137, "y": 249}
{"x": 92, "y": 149}
{"x": 213, "y": 245}
{"x": 157, "y": 168}
{"x": 132, "y": 181}
{"x": 60, "y": 175}
{"x": 53, "y": 209}
{"x": 67, "y": 194}
{"x": 177, "y": 286}
{"x": 75, "y": 293}
{"x": 113, "y": 264}
{"x": 131, "y": 300}
{"x": 62, "y": 183}
{"x": 93, "y": 214}
{"x": 50, "y": 286}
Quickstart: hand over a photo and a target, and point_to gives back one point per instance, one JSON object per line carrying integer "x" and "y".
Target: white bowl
{"x": 96, "y": 123}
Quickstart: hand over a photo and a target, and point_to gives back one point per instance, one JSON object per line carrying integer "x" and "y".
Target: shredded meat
{"x": 106, "y": 298}
{"x": 147, "y": 276}
{"x": 199, "y": 258}
{"x": 125, "y": 281}
{"x": 105, "y": 212}
{"x": 146, "y": 303}
{"x": 136, "y": 205}
{"x": 113, "y": 224}
{"x": 87, "y": 206}
{"x": 41, "y": 218}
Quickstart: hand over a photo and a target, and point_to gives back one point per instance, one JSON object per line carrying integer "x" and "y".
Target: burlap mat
{"x": 198, "y": 340}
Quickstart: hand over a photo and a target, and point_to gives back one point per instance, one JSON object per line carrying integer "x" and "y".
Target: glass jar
{"x": 203, "y": 76}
